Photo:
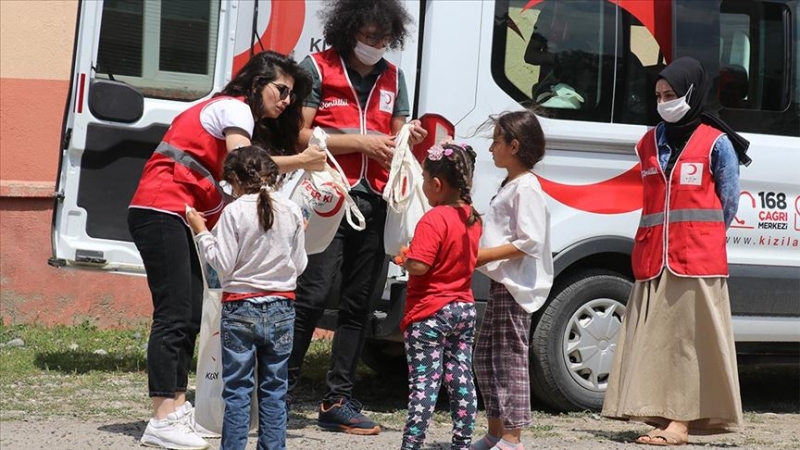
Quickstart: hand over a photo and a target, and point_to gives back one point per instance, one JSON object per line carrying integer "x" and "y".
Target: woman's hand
{"x": 378, "y": 147}
{"x": 418, "y": 134}
{"x": 313, "y": 158}
{"x": 196, "y": 220}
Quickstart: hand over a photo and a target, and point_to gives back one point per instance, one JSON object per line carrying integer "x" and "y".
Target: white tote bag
{"x": 323, "y": 197}
{"x": 209, "y": 405}
{"x": 406, "y": 203}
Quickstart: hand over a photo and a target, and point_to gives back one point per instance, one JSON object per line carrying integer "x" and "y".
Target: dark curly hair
{"x": 456, "y": 169}
{"x": 279, "y": 136}
{"x": 342, "y": 20}
{"x": 254, "y": 171}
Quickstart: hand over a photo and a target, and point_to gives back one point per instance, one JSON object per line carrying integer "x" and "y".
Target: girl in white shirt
{"x": 258, "y": 250}
{"x": 515, "y": 254}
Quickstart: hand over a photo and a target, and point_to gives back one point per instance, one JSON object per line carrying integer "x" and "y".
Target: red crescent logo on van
{"x": 283, "y": 30}
{"x": 333, "y": 211}
{"x": 618, "y": 195}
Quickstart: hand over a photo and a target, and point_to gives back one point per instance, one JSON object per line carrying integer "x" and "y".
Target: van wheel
{"x": 574, "y": 338}
{"x": 387, "y": 358}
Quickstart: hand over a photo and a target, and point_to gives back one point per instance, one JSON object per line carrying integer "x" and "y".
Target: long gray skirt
{"x": 675, "y": 358}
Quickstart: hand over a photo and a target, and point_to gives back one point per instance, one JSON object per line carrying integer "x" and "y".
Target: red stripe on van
{"x": 283, "y": 31}
{"x": 618, "y": 195}
{"x": 81, "y": 84}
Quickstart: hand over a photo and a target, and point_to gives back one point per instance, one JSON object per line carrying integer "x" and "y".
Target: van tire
{"x": 386, "y": 358}
{"x": 551, "y": 380}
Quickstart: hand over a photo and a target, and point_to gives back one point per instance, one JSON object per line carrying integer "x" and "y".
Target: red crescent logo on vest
{"x": 693, "y": 169}
{"x": 618, "y": 195}
{"x": 283, "y": 30}
{"x": 333, "y": 211}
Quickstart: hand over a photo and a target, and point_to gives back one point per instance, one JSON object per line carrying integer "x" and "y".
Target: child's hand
{"x": 196, "y": 220}
{"x": 482, "y": 257}
{"x": 400, "y": 259}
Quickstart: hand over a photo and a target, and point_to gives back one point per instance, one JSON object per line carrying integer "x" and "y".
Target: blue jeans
{"x": 256, "y": 335}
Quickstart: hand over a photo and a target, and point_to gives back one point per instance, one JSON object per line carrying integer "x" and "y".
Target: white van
{"x": 589, "y": 64}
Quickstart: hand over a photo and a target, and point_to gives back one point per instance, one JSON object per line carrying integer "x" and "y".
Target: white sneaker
{"x": 173, "y": 432}
{"x": 188, "y": 411}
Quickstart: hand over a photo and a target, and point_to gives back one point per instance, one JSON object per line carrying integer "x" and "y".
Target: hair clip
{"x": 436, "y": 152}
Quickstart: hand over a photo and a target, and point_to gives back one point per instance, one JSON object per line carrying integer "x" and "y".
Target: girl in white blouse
{"x": 515, "y": 254}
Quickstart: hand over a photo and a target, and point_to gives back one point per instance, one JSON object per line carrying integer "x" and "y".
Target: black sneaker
{"x": 345, "y": 415}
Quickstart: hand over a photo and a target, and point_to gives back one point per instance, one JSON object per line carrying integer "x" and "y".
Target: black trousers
{"x": 357, "y": 260}
{"x": 176, "y": 284}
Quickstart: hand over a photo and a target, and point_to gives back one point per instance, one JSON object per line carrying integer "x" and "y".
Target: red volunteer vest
{"x": 340, "y": 112}
{"x": 682, "y": 216}
{"x": 185, "y": 169}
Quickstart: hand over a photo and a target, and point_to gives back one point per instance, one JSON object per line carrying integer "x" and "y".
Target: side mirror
{"x": 115, "y": 101}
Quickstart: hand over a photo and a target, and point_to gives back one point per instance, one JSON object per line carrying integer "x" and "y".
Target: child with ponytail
{"x": 439, "y": 320}
{"x": 258, "y": 250}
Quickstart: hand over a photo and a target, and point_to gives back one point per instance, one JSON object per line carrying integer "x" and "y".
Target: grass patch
{"x": 71, "y": 350}
{"x": 542, "y": 431}
{"x": 57, "y": 373}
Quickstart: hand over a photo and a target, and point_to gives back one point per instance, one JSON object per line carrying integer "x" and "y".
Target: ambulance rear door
{"x": 136, "y": 65}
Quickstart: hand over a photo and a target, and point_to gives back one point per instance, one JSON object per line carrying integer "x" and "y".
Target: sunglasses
{"x": 284, "y": 91}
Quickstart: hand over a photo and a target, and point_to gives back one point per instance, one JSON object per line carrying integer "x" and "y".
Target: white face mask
{"x": 674, "y": 110}
{"x": 367, "y": 54}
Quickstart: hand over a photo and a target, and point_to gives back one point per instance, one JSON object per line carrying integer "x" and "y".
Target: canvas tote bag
{"x": 406, "y": 203}
{"x": 323, "y": 197}
{"x": 209, "y": 405}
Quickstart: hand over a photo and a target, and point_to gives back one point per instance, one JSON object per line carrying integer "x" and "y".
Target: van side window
{"x": 753, "y": 70}
{"x": 166, "y": 49}
{"x": 557, "y": 55}
{"x": 641, "y": 59}
{"x": 752, "y": 56}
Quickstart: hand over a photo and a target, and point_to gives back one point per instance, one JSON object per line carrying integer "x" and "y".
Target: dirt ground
{"x": 762, "y": 431}
{"x": 771, "y": 402}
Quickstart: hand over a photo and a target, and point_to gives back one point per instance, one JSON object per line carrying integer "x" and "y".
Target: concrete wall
{"x": 36, "y": 40}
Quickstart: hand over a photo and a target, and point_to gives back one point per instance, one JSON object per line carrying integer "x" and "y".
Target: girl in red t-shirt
{"x": 439, "y": 320}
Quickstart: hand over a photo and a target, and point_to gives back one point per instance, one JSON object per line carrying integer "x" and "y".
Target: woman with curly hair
{"x": 360, "y": 99}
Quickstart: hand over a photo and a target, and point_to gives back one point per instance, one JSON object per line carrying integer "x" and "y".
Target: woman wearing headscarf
{"x": 675, "y": 363}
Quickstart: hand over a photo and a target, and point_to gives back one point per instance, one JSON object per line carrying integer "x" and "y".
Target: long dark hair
{"x": 254, "y": 171}
{"x": 342, "y": 20}
{"x": 523, "y": 126}
{"x": 456, "y": 168}
{"x": 279, "y": 136}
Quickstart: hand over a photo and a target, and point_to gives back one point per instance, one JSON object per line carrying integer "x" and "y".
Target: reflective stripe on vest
{"x": 330, "y": 130}
{"x": 682, "y": 226}
{"x": 188, "y": 161}
{"x": 683, "y": 215}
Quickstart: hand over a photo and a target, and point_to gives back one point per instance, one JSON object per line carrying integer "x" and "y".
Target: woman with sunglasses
{"x": 258, "y": 106}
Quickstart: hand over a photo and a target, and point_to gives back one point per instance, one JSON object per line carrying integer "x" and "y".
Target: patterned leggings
{"x": 441, "y": 345}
